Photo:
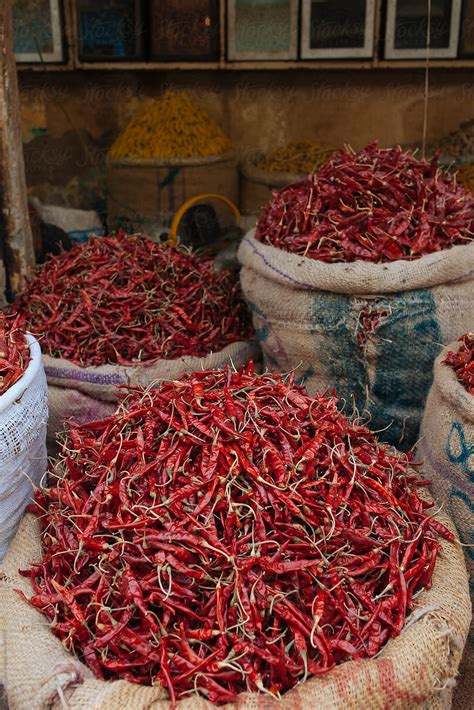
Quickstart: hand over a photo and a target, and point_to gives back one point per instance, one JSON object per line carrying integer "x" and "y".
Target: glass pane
{"x": 185, "y": 29}
{"x": 412, "y": 23}
{"x": 110, "y": 29}
{"x": 262, "y": 25}
{"x": 336, "y": 24}
{"x": 32, "y": 27}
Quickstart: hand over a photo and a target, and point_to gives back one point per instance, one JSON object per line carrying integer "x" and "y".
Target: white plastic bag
{"x": 78, "y": 224}
{"x": 23, "y": 458}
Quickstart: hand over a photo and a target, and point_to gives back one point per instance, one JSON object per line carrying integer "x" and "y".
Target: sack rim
{"x": 171, "y": 162}
{"x": 34, "y": 366}
{"x": 61, "y": 372}
{"x": 357, "y": 277}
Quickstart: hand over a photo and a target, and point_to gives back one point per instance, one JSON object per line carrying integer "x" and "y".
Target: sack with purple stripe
{"x": 82, "y": 394}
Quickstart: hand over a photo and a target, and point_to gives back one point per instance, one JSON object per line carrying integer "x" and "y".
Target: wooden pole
{"x": 18, "y": 241}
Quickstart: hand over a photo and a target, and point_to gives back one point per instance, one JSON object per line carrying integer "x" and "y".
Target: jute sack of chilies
{"x": 415, "y": 671}
{"x": 447, "y": 450}
{"x": 371, "y": 331}
{"x": 87, "y": 393}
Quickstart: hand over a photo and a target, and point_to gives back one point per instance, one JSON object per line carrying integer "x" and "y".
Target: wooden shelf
{"x": 222, "y": 65}
{"x": 148, "y": 66}
{"x": 316, "y": 65}
{"x": 421, "y": 64}
{"x": 292, "y": 65}
{"x": 44, "y": 67}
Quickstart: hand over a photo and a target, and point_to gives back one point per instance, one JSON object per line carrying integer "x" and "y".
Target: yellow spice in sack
{"x": 465, "y": 176}
{"x": 297, "y": 157}
{"x": 173, "y": 126}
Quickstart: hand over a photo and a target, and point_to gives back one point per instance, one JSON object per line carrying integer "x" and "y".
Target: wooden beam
{"x": 18, "y": 246}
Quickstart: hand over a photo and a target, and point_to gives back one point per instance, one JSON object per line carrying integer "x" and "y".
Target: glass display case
{"x": 336, "y": 29}
{"x": 110, "y": 30}
{"x": 262, "y": 29}
{"x": 184, "y": 30}
{"x": 37, "y": 31}
{"x": 407, "y": 28}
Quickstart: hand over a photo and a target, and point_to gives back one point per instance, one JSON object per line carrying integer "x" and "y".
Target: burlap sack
{"x": 447, "y": 450}
{"x": 415, "y": 671}
{"x": 145, "y": 193}
{"x": 87, "y": 393}
{"x": 371, "y": 331}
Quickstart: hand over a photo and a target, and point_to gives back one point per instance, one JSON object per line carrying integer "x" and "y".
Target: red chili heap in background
{"x": 227, "y": 532}
{"x": 462, "y": 362}
{"x": 376, "y": 205}
{"x": 126, "y": 300}
{"x": 14, "y": 352}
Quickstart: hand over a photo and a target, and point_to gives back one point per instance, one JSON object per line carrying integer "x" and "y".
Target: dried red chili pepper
{"x": 379, "y": 205}
{"x": 210, "y": 557}
{"x": 126, "y": 299}
{"x": 14, "y": 352}
{"x": 462, "y": 361}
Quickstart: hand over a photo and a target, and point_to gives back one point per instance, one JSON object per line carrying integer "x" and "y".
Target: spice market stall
{"x": 206, "y": 534}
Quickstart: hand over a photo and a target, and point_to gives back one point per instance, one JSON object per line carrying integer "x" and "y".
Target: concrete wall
{"x": 70, "y": 119}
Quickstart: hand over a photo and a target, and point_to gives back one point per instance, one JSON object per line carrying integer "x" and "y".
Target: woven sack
{"x": 87, "y": 393}
{"x": 23, "y": 459}
{"x": 371, "y": 331}
{"x": 447, "y": 449}
{"x": 415, "y": 671}
{"x": 144, "y": 194}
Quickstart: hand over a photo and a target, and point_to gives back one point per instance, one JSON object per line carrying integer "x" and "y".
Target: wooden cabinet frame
{"x": 366, "y": 51}
{"x": 234, "y": 54}
{"x": 57, "y": 53}
{"x": 225, "y": 64}
{"x": 391, "y": 52}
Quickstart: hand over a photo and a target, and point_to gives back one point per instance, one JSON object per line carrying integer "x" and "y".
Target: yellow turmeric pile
{"x": 173, "y": 126}
{"x": 465, "y": 176}
{"x": 298, "y": 157}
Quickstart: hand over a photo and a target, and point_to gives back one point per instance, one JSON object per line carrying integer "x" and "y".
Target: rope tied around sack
{"x": 74, "y": 675}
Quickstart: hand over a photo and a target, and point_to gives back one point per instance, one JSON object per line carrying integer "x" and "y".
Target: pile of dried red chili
{"x": 462, "y": 362}
{"x": 227, "y": 532}
{"x": 125, "y": 299}
{"x": 14, "y": 352}
{"x": 377, "y": 205}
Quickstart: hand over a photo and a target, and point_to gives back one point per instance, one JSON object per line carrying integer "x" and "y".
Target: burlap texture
{"x": 371, "y": 331}
{"x": 145, "y": 193}
{"x": 447, "y": 450}
{"x": 415, "y": 671}
{"x": 87, "y": 393}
